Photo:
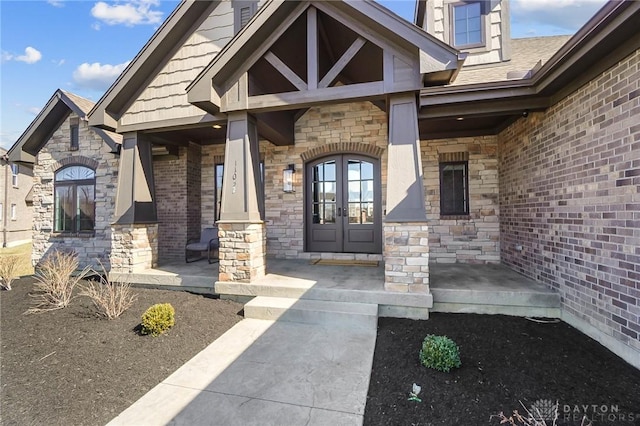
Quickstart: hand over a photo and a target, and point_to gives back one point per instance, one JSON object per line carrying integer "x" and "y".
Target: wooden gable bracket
{"x": 405, "y": 54}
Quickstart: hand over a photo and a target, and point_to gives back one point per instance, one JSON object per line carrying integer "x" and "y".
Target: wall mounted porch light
{"x": 287, "y": 178}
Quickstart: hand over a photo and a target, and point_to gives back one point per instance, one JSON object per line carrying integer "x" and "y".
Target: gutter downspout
{"x": 5, "y": 159}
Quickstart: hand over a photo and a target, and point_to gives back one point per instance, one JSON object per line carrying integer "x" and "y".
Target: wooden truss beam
{"x": 284, "y": 69}
{"x": 342, "y": 62}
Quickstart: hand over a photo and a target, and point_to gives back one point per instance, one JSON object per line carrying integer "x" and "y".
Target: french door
{"x": 343, "y": 205}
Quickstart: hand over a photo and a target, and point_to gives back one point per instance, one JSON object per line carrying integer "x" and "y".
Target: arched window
{"x": 75, "y": 188}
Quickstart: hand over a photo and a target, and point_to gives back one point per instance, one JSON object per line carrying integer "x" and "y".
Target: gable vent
{"x": 245, "y": 16}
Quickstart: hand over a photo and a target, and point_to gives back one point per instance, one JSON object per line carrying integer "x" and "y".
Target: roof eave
{"x": 562, "y": 67}
{"x": 44, "y": 119}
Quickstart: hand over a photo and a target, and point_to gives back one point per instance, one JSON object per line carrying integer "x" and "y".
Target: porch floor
{"x": 488, "y": 288}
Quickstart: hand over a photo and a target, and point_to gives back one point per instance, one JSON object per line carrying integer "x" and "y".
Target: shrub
{"x": 8, "y": 270}
{"x": 440, "y": 353}
{"x": 158, "y": 319}
{"x": 111, "y": 299}
{"x": 56, "y": 278}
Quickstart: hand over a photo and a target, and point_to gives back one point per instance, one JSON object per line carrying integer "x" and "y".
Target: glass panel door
{"x": 344, "y": 205}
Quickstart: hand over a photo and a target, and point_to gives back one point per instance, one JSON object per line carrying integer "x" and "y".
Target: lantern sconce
{"x": 287, "y": 178}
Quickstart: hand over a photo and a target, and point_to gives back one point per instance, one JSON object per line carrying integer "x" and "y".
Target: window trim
{"x": 441, "y": 167}
{"x": 73, "y": 184}
{"x": 74, "y": 130}
{"x": 14, "y": 211}
{"x": 452, "y": 26}
{"x": 15, "y": 171}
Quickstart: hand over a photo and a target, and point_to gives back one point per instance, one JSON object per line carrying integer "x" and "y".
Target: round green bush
{"x": 440, "y": 353}
{"x": 158, "y": 319}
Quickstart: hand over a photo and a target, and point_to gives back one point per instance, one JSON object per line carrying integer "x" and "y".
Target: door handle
{"x": 339, "y": 212}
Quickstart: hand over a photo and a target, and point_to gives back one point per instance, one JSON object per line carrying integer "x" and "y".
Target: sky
{"x": 81, "y": 46}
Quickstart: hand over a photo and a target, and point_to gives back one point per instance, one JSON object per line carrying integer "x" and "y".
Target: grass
{"x": 24, "y": 252}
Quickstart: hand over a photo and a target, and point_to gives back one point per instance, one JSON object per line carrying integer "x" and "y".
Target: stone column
{"x": 134, "y": 248}
{"x": 241, "y": 227}
{"x": 134, "y": 233}
{"x": 406, "y": 249}
{"x": 242, "y": 255}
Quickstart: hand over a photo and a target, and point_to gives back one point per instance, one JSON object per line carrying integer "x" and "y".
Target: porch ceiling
{"x": 464, "y": 126}
{"x": 181, "y": 137}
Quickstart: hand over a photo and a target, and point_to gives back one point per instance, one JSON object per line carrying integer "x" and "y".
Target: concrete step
{"x": 306, "y": 311}
{"x": 518, "y": 303}
{"x": 167, "y": 281}
{"x": 307, "y": 290}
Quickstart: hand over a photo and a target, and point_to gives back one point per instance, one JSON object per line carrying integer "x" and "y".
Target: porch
{"x": 470, "y": 288}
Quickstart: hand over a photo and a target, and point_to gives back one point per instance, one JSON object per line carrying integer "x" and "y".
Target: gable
{"x": 309, "y": 52}
{"x": 165, "y": 98}
{"x": 59, "y": 107}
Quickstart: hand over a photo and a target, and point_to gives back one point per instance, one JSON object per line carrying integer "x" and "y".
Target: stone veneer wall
{"x": 134, "y": 248}
{"x": 330, "y": 126}
{"x": 92, "y": 152}
{"x": 178, "y": 185}
{"x": 472, "y": 239}
{"x": 570, "y": 203}
{"x": 406, "y": 257}
{"x": 242, "y": 251}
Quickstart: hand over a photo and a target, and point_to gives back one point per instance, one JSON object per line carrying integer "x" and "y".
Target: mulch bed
{"x": 68, "y": 367}
{"x": 504, "y": 360}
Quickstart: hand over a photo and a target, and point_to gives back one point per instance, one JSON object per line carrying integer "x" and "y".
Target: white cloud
{"x": 58, "y": 62}
{"x": 130, "y": 13}
{"x": 565, "y": 15}
{"x": 96, "y": 26}
{"x": 31, "y": 56}
{"x": 56, "y": 3}
{"x": 97, "y": 76}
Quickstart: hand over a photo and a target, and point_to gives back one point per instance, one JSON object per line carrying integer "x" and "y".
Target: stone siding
{"x": 92, "y": 152}
{"x": 134, "y": 248}
{"x": 333, "y": 127}
{"x": 474, "y": 238}
{"x": 242, "y": 251}
{"x": 406, "y": 257}
{"x": 570, "y": 200}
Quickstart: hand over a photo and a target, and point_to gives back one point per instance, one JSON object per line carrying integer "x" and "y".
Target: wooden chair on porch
{"x": 208, "y": 242}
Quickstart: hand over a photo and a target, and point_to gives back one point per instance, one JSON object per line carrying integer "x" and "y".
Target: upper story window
{"x": 467, "y": 29}
{"x": 74, "y": 188}
{"x": 243, "y": 11}
{"x": 74, "y": 136}
{"x": 454, "y": 188}
{"x": 15, "y": 169}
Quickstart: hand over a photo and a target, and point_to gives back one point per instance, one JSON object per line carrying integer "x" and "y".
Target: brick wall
{"x": 476, "y": 238}
{"x": 178, "y": 185}
{"x": 570, "y": 200}
{"x": 92, "y": 152}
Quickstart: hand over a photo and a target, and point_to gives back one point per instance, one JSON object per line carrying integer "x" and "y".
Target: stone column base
{"x": 134, "y": 248}
{"x": 242, "y": 251}
{"x": 406, "y": 257}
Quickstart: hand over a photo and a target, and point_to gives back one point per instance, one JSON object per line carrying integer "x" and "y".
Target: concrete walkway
{"x": 263, "y": 372}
